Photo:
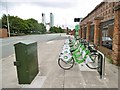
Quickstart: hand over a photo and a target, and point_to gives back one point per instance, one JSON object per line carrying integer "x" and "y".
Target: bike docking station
{"x": 101, "y": 65}
{"x": 76, "y": 51}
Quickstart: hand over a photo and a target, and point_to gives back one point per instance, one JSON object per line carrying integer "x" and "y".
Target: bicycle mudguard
{"x": 88, "y": 59}
{"x": 65, "y": 57}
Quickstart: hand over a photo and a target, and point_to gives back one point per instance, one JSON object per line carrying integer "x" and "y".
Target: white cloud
{"x": 37, "y": 0}
{"x": 63, "y": 14}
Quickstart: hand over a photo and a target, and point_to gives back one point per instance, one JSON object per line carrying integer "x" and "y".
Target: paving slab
{"x": 36, "y": 83}
{"x": 83, "y": 67}
{"x": 73, "y": 78}
{"x": 74, "y": 72}
{"x": 92, "y": 79}
{"x": 0, "y": 74}
{"x": 9, "y": 75}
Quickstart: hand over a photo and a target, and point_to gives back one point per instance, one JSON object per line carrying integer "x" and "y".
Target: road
{"x": 7, "y": 44}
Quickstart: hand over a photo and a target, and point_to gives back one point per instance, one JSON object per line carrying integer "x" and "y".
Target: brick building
{"x": 3, "y": 33}
{"x": 103, "y": 21}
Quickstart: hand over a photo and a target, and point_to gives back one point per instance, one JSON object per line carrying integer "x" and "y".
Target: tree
{"x": 42, "y": 28}
{"x": 18, "y": 25}
{"x": 56, "y": 30}
{"x": 0, "y": 23}
{"x": 4, "y": 20}
{"x": 36, "y": 27}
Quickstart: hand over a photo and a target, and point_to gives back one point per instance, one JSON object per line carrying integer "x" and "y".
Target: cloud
{"x": 42, "y": 3}
{"x": 64, "y": 10}
{"x": 55, "y": 4}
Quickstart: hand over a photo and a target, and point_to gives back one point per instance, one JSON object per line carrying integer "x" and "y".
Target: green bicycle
{"x": 80, "y": 55}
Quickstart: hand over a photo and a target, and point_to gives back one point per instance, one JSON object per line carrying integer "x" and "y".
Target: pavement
{"x": 52, "y": 76}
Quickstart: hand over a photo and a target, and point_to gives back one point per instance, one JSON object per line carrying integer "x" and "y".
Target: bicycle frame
{"x": 79, "y": 54}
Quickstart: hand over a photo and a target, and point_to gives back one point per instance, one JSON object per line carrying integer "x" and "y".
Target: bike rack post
{"x": 101, "y": 65}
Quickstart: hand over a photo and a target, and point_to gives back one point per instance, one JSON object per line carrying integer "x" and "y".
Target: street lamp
{"x": 8, "y": 27}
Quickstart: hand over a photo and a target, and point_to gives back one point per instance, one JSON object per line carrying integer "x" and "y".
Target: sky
{"x": 64, "y": 11}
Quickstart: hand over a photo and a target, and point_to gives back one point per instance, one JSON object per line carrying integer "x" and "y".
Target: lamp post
{"x": 77, "y": 26}
{"x": 8, "y": 27}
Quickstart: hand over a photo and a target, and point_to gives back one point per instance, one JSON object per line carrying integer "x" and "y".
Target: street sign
{"x": 76, "y": 19}
{"x": 76, "y": 33}
{"x": 77, "y": 27}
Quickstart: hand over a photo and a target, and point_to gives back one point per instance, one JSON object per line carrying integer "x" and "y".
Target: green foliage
{"x": 18, "y": 25}
{"x": 4, "y": 20}
{"x": 56, "y": 30}
{"x": 0, "y": 23}
{"x": 42, "y": 28}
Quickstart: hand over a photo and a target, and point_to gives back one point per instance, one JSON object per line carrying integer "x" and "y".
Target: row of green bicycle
{"x": 77, "y": 52}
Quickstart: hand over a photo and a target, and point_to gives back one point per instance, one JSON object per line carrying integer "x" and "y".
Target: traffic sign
{"x": 77, "y": 27}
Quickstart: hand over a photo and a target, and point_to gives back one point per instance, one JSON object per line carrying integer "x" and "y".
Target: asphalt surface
{"x": 7, "y": 44}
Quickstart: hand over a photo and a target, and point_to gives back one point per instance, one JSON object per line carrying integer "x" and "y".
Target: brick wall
{"x": 106, "y": 51}
{"x": 3, "y": 33}
{"x": 97, "y": 31}
{"x": 88, "y": 31}
{"x": 105, "y": 10}
{"x": 116, "y": 37}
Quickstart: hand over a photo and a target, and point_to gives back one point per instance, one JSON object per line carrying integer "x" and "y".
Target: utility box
{"x": 26, "y": 61}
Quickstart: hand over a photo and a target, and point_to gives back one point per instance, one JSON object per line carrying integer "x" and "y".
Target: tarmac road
{"x": 7, "y": 44}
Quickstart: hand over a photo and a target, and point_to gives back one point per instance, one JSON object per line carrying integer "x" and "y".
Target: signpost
{"x": 77, "y": 28}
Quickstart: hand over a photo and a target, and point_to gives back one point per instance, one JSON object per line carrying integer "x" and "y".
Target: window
{"x": 109, "y": 10}
{"x": 106, "y": 6}
{"x": 113, "y": 4}
{"x": 110, "y": 4}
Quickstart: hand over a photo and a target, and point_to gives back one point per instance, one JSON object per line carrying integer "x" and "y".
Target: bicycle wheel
{"x": 66, "y": 65}
{"x": 93, "y": 64}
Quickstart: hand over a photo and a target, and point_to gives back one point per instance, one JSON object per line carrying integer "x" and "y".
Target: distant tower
{"x": 43, "y": 19}
{"x": 51, "y": 20}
